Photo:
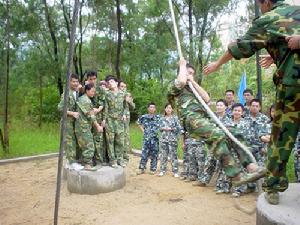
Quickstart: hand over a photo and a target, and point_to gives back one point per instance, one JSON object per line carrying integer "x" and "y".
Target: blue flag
{"x": 243, "y": 86}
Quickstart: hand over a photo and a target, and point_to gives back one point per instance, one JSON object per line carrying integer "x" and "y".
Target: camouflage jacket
{"x": 170, "y": 122}
{"x": 268, "y": 31}
{"x": 99, "y": 100}
{"x": 71, "y": 104}
{"x": 114, "y": 105}
{"x": 151, "y": 124}
{"x": 186, "y": 102}
{"x": 85, "y": 109}
{"x": 256, "y": 127}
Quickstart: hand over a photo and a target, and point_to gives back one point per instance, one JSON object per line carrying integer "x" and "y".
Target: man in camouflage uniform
{"x": 129, "y": 106}
{"x": 256, "y": 121}
{"x": 269, "y": 31}
{"x": 98, "y": 103}
{"x": 149, "y": 124}
{"x": 71, "y": 146}
{"x": 115, "y": 101}
{"x": 248, "y": 96}
{"x": 84, "y": 124}
{"x": 200, "y": 126}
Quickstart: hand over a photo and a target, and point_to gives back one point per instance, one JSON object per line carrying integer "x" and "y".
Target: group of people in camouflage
{"x": 98, "y": 120}
{"x": 97, "y": 126}
{"x": 276, "y": 30}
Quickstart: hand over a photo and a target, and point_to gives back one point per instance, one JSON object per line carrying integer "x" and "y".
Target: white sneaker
{"x": 176, "y": 175}
{"x": 161, "y": 174}
{"x": 76, "y": 166}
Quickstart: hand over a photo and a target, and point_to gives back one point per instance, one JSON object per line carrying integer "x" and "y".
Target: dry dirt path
{"x": 27, "y": 192}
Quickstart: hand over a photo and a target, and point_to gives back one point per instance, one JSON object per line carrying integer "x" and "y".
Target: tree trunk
{"x": 191, "y": 49}
{"x": 118, "y": 58}
{"x": 6, "y": 127}
{"x": 40, "y": 100}
{"x": 55, "y": 48}
{"x": 80, "y": 41}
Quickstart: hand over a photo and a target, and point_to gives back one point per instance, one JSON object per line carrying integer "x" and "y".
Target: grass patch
{"x": 28, "y": 139}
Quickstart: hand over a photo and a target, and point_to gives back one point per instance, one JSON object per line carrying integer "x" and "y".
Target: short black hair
{"x": 235, "y": 105}
{"x": 222, "y": 100}
{"x": 91, "y": 74}
{"x": 151, "y": 103}
{"x": 110, "y": 77}
{"x": 74, "y": 76}
{"x": 248, "y": 91}
{"x": 121, "y": 81}
{"x": 188, "y": 65}
{"x": 88, "y": 87}
{"x": 229, "y": 90}
{"x": 255, "y": 100}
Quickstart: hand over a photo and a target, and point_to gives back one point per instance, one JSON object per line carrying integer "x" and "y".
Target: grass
{"x": 28, "y": 139}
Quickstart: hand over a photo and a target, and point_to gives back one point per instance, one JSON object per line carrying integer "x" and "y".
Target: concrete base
{"x": 103, "y": 180}
{"x": 286, "y": 213}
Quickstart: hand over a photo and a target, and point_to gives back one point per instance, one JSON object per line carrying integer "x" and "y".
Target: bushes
{"x": 48, "y": 108}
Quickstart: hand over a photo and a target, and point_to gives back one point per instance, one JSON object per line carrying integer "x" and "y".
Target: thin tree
{"x": 5, "y": 136}
{"x": 55, "y": 47}
{"x": 118, "y": 59}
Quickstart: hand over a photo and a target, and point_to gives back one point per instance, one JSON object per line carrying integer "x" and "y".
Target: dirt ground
{"x": 27, "y": 193}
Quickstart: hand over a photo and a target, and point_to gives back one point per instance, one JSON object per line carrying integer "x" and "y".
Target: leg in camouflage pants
{"x": 71, "y": 146}
{"x": 115, "y": 140}
{"x": 86, "y": 142}
{"x": 167, "y": 148}
{"x": 284, "y": 132}
{"x": 198, "y": 126}
{"x": 197, "y": 158}
{"x": 185, "y": 172}
{"x": 149, "y": 150}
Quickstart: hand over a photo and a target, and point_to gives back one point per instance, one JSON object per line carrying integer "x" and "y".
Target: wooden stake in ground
{"x": 63, "y": 125}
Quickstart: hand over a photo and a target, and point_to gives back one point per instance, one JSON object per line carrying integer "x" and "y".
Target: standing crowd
{"x": 97, "y": 126}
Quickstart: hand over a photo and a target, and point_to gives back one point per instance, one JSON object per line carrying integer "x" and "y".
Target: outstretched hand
{"x": 210, "y": 68}
{"x": 293, "y": 42}
{"x": 182, "y": 62}
{"x": 266, "y": 61}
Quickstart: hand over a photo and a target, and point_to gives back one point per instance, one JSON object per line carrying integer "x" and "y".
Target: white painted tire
{"x": 106, "y": 179}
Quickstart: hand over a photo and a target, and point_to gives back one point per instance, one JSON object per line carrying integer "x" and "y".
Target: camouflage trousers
{"x": 185, "y": 163}
{"x": 167, "y": 148}
{"x": 196, "y": 154}
{"x": 222, "y": 182}
{"x": 85, "y": 141}
{"x": 115, "y": 138}
{"x": 71, "y": 146}
{"x": 210, "y": 167}
{"x": 100, "y": 146}
{"x": 127, "y": 147}
{"x": 199, "y": 126}
{"x": 149, "y": 150}
{"x": 285, "y": 127}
